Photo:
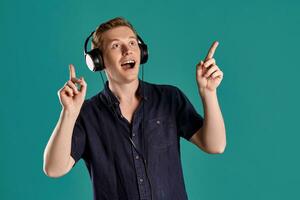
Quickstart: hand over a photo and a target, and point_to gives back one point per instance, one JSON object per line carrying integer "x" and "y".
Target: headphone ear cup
{"x": 94, "y": 60}
{"x": 144, "y": 53}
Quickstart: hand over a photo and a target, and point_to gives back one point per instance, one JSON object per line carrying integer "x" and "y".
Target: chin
{"x": 130, "y": 79}
{"x": 130, "y": 76}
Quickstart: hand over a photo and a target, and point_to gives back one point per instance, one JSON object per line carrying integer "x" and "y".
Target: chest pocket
{"x": 161, "y": 132}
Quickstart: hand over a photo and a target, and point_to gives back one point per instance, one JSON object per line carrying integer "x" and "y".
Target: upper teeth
{"x": 128, "y": 61}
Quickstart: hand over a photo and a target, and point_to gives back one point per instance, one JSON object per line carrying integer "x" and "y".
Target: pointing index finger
{"x": 212, "y": 50}
{"x": 72, "y": 72}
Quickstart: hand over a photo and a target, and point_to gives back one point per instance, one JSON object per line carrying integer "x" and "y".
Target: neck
{"x": 126, "y": 93}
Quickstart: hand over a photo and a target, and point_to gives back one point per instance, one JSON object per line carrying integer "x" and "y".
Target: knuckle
{"x": 68, "y": 88}
{"x": 70, "y": 83}
{"x": 75, "y": 90}
{"x": 74, "y": 80}
{"x": 71, "y": 92}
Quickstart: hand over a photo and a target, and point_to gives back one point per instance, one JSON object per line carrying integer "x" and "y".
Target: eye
{"x": 132, "y": 43}
{"x": 115, "y": 45}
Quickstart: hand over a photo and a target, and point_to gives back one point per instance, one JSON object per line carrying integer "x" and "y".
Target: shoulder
{"x": 162, "y": 89}
{"x": 90, "y": 104}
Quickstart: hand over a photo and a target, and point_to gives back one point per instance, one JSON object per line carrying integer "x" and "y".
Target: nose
{"x": 126, "y": 50}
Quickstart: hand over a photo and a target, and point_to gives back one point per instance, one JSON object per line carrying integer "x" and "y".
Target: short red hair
{"x": 97, "y": 40}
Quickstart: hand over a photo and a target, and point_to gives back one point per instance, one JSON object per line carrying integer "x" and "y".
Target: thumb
{"x": 83, "y": 85}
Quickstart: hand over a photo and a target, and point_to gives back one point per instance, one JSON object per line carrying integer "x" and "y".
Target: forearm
{"x": 214, "y": 133}
{"x": 57, "y": 151}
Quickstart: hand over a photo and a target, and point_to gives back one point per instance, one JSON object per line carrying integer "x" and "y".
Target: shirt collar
{"x": 113, "y": 100}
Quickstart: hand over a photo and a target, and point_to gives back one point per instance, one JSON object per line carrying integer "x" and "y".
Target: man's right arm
{"x": 57, "y": 154}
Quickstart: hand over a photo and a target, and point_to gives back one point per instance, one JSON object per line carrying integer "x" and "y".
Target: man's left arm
{"x": 211, "y": 137}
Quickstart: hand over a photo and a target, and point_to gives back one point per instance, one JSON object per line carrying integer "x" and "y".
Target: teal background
{"x": 259, "y": 94}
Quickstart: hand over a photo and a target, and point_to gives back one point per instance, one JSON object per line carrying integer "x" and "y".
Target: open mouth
{"x": 128, "y": 64}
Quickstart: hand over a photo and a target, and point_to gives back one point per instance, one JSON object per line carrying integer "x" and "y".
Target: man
{"x": 128, "y": 134}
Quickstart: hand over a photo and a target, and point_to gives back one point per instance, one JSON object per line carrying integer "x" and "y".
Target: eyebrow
{"x": 131, "y": 37}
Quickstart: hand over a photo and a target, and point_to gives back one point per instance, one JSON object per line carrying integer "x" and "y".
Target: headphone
{"x": 94, "y": 59}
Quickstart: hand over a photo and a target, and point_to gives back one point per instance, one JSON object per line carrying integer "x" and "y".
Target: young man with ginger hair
{"x": 129, "y": 133}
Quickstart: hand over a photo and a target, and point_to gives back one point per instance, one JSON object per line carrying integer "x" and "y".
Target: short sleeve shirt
{"x": 141, "y": 159}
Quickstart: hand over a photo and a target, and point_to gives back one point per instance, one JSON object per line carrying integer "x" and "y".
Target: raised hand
{"x": 208, "y": 74}
{"x": 72, "y": 98}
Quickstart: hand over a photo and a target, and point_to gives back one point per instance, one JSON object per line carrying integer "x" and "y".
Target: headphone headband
{"x": 86, "y": 42}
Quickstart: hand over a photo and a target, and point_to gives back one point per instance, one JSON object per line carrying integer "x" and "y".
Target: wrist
{"x": 204, "y": 92}
{"x": 69, "y": 113}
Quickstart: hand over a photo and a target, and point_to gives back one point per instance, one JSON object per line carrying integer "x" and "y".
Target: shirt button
{"x": 137, "y": 157}
{"x": 158, "y": 122}
{"x": 133, "y": 134}
{"x": 141, "y": 180}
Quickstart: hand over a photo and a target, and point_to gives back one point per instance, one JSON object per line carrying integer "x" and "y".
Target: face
{"x": 121, "y": 55}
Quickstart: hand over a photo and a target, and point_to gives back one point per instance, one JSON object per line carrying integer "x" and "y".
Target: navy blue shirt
{"x": 132, "y": 160}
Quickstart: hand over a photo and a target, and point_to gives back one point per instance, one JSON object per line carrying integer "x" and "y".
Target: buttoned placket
{"x": 140, "y": 168}
{"x": 139, "y": 164}
{"x": 133, "y": 129}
